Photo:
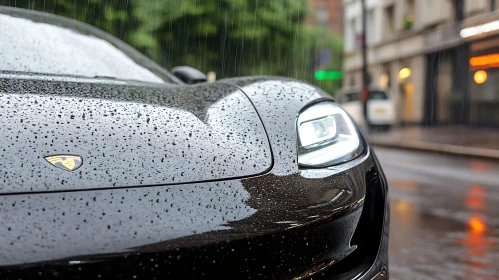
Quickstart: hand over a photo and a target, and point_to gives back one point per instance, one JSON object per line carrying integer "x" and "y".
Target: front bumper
{"x": 320, "y": 224}
{"x": 370, "y": 259}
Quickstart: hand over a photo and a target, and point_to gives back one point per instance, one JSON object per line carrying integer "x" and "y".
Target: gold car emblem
{"x": 66, "y": 162}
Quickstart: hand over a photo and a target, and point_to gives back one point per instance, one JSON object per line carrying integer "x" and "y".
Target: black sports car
{"x": 113, "y": 168}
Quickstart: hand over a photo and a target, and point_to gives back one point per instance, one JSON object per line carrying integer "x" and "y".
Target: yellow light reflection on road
{"x": 403, "y": 206}
{"x": 480, "y": 166}
{"x": 476, "y": 225}
{"x": 476, "y": 247}
{"x": 475, "y": 199}
{"x": 403, "y": 185}
{"x": 403, "y": 213}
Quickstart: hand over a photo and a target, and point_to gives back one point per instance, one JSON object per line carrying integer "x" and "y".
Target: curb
{"x": 445, "y": 149}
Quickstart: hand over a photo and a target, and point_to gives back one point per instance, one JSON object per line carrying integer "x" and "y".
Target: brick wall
{"x": 334, "y": 11}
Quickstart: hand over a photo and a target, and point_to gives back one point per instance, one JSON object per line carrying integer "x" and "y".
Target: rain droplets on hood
{"x": 126, "y": 135}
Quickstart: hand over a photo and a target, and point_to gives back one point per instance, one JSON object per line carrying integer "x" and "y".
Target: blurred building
{"x": 327, "y": 13}
{"x": 438, "y": 58}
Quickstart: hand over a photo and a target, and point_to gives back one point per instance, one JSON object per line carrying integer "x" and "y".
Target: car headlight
{"x": 326, "y": 136}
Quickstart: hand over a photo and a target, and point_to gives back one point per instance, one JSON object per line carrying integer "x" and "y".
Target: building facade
{"x": 435, "y": 57}
{"x": 327, "y": 13}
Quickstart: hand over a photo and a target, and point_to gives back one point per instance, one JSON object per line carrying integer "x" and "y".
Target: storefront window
{"x": 484, "y": 97}
{"x": 444, "y": 89}
{"x": 484, "y": 83}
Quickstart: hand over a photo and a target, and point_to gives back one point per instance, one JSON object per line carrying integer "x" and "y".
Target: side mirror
{"x": 189, "y": 75}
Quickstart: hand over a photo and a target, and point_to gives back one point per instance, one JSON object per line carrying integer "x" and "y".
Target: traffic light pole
{"x": 365, "y": 74}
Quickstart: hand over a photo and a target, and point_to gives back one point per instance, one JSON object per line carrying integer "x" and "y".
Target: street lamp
{"x": 404, "y": 73}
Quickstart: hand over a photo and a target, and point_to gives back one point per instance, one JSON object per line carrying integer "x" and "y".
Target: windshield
{"x": 377, "y": 95}
{"x": 350, "y": 97}
{"x": 49, "y": 49}
{"x": 355, "y": 96}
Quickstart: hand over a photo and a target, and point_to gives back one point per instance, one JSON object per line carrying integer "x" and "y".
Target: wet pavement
{"x": 450, "y": 139}
{"x": 463, "y": 136}
{"x": 444, "y": 216}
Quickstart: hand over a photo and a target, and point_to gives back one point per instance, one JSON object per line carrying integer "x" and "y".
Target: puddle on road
{"x": 439, "y": 243}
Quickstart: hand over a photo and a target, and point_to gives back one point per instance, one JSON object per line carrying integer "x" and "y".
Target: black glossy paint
{"x": 127, "y": 135}
{"x": 250, "y": 212}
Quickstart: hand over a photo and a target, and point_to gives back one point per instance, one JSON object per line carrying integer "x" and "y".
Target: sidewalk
{"x": 455, "y": 140}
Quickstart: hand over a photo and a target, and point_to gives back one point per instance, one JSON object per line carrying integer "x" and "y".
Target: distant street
{"x": 444, "y": 216}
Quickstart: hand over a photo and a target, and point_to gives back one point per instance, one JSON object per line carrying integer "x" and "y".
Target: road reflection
{"x": 477, "y": 245}
{"x": 404, "y": 215}
{"x": 476, "y": 242}
{"x": 475, "y": 198}
{"x": 444, "y": 216}
{"x": 442, "y": 236}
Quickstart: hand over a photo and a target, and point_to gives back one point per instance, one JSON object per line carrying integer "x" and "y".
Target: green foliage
{"x": 408, "y": 21}
{"x": 113, "y": 16}
{"x": 230, "y": 37}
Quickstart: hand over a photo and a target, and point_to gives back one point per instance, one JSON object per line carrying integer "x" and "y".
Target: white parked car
{"x": 380, "y": 108}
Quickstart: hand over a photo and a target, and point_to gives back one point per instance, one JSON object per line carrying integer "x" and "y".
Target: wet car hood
{"x": 126, "y": 134}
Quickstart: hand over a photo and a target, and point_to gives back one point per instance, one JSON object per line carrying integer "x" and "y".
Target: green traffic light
{"x": 328, "y": 75}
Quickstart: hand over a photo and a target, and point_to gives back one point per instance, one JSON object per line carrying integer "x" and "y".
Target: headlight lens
{"x": 326, "y": 136}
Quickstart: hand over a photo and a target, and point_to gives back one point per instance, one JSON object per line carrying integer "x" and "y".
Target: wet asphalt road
{"x": 444, "y": 216}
